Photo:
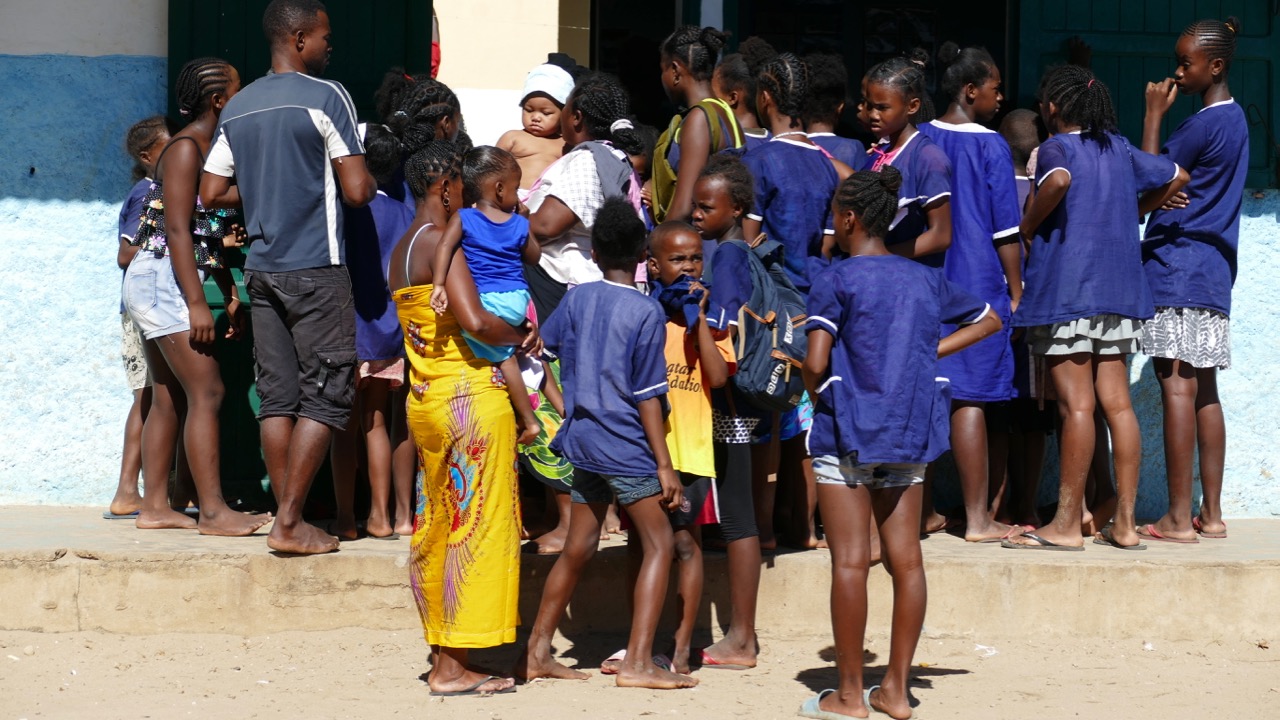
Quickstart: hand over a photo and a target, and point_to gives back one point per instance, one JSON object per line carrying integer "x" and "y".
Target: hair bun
{"x": 713, "y": 39}
{"x": 756, "y": 52}
{"x": 890, "y": 179}
{"x": 1233, "y": 24}
{"x": 920, "y": 57}
{"x": 948, "y": 53}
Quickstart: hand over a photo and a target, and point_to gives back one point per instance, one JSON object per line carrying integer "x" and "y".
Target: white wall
{"x": 85, "y": 27}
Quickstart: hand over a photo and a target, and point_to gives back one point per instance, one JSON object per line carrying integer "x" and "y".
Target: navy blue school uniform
{"x": 984, "y": 210}
{"x": 371, "y": 234}
{"x": 611, "y": 340}
{"x": 794, "y": 184}
{"x": 1085, "y": 259}
{"x": 926, "y": 178}
{"x": 882, "y": 398}
{"x": 131, "y": 215}
{"x": 1190, "y": 254}
{"x": 846, "y": 150}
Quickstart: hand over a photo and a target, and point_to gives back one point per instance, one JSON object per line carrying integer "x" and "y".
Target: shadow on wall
{"x": 64, "y": 120}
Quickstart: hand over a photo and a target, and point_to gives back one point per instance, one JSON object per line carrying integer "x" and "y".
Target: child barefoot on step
{"x": 495, "y": 242}
{"x": 874, "y": 342}
{"x": 538, "y": 143}
{"x": 610, "y": 339}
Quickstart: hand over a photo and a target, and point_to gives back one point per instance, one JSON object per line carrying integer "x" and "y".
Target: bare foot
{"x": 832, "y": 702}
{"x": 230, "y": 523}
{"x": 728, "y": 652}
{"x": 404, "y": 527}
{"x": 612, "y": 522}
{"x": 125, "y": 504}
{"x": 529, "y": 667}
{"x": 528, "y": 428}
{"x": 1103, "y": 513}
{"x": 378, "y": 527}
{"x": 552, "y": 543}
{"x": 991, "y": 532}
{"x": 468, "y": 681}
{"x": 303, "y": 539}
{"x": 164, "y": 520}
{"x": 934, "y": 523}
{"x": 342, "y": 528}
{"x": 879, "y": 700}
{"x": 648, "y": 675}
{"x": 1210, "y": 528}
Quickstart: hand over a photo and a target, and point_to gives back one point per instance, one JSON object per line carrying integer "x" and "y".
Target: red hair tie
{"x": 1090, "y": 85}
{"x": 408, "y": 77}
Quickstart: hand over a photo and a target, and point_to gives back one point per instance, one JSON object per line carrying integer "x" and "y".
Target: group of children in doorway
{"x": 958, "y": 281}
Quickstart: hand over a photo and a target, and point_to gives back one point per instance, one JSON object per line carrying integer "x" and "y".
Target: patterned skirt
{"x": 1196, "y": 336}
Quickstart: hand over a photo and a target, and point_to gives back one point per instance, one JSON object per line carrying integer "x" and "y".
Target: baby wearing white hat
{"x": 538, "y": 143}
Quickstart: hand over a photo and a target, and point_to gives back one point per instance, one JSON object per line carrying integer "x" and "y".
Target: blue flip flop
{"x": 812, "y": 709}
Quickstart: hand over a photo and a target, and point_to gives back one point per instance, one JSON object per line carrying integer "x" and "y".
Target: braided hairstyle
{"x": 481, "y": 165}
{"x": 1082, "y": 99}
{"x": 904, "y": 75}
{"x": 873, "y": 197}
{"x": 828, "y": 88}
{"x": 1217, "y": 38}
{"x": 436, "y": 160}
{"x": 729, "y": 169}
{"x": 786, "y": 79}
{"x": 971, "y": 65}
{"x": 142, "y": 135}
{"x": 696, "y": 48}
{"x": 386, "y": 99}
{"x": 603, "y": 102}
{"x": 420, "y": 107}
{"x": 383, "y": 152}
{"x": 618, "y": 235}
{"x": 198, "y": 81}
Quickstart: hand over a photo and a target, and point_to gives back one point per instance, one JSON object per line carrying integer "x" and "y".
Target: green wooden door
{"x": 1132, "y": 43}
{"x": 368, "y": 38}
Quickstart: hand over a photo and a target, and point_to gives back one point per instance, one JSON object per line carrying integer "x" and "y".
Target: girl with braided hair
{"x": 984, "y": 258}
{"x": 465, "y": 553}
{"x": 1085, "y": 294}
{"x": 1189, "y": 255}
{"x": 875, "y": 337}
{"x": 707, "y": 125}
{"x": 179, "y": 242}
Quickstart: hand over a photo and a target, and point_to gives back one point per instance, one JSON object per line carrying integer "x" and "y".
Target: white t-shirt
{"x": 572, "y": 180}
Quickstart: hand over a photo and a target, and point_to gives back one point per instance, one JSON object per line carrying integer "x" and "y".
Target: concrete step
{"x": 65, "y": 569}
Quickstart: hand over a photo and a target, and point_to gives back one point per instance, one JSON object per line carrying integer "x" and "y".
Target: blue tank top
{"x": 494, "y": 250}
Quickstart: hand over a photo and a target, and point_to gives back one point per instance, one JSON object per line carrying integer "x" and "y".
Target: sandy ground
{"x": 357, "y": 673}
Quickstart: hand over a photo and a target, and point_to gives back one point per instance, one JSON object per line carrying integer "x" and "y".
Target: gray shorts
{"x": 846, "y": 470}
{"x": 590, "y": 487}
{"x": 304, "y": 343}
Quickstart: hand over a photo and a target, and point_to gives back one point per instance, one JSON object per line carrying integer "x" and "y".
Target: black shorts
{"x": 304, "y": 343}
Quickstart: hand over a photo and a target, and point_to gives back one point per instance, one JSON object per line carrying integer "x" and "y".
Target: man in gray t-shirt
{"x": 290, "y": 141}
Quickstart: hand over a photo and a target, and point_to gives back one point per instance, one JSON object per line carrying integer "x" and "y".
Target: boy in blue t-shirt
{"x": 611, "y": 339}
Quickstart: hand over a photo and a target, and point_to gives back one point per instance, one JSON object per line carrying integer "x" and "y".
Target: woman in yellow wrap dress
{"x": 465, "y": 554}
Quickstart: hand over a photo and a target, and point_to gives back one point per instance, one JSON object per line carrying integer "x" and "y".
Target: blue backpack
{"x": 772, "y": 343}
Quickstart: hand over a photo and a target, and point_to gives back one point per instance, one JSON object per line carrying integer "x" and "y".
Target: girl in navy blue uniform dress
{"x": 984, "y": 258}
{"x": 1190, "y": 259}
{"x": 828, "y": 89}
{"x": 891, "y": 95}
{"x": 1085, "y": 296}
{"x": 875, "y": 336}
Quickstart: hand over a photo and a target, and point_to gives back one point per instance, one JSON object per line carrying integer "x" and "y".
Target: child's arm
{"x": 181, "y": 171}
{"x": 532, "y": 250}
{"x": 934, "y": 240}
{"x": 656, "y": 432}
{"x": 1010, "y": 254}
{"x": 1155, "y": 199}
{"x": 817, "y": 360}
{"x": 508, "y": 140}
{"x": 448, "y": 245}
{"x": 551, "y": 389}
{"x": 1160, "y": 97}
{"x": 1052, "y": 189}
{"x": 715, "y": 371}
{"x": 125, "y": 253}
{"x": 965, "y": 336}
{"x": 230, "y": 294}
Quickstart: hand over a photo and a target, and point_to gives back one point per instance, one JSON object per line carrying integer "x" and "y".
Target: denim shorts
{"x": 153, "y": 296}
{"x": 590, "y": 487}
{"x": 831, "y": 470}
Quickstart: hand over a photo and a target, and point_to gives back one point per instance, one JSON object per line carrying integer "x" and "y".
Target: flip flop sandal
{"x": 108, "y": 515}
{"x": 1040, "y": 544}
{"x": 1197, "y": 524}
{"x": 1150, "y": 531}
{"x": 1104, "y": 537}
{"x": 1013, "y": 531}
{"x": 710, "y": 663}
{"x": 474, "y": 690}
{"x": 812, "y": 709}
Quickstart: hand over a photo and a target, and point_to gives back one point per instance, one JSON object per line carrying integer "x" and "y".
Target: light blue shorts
{"x": 153, "y": 297}
{"x": 846, "y": 470}
{"x": 513, "y": 307}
